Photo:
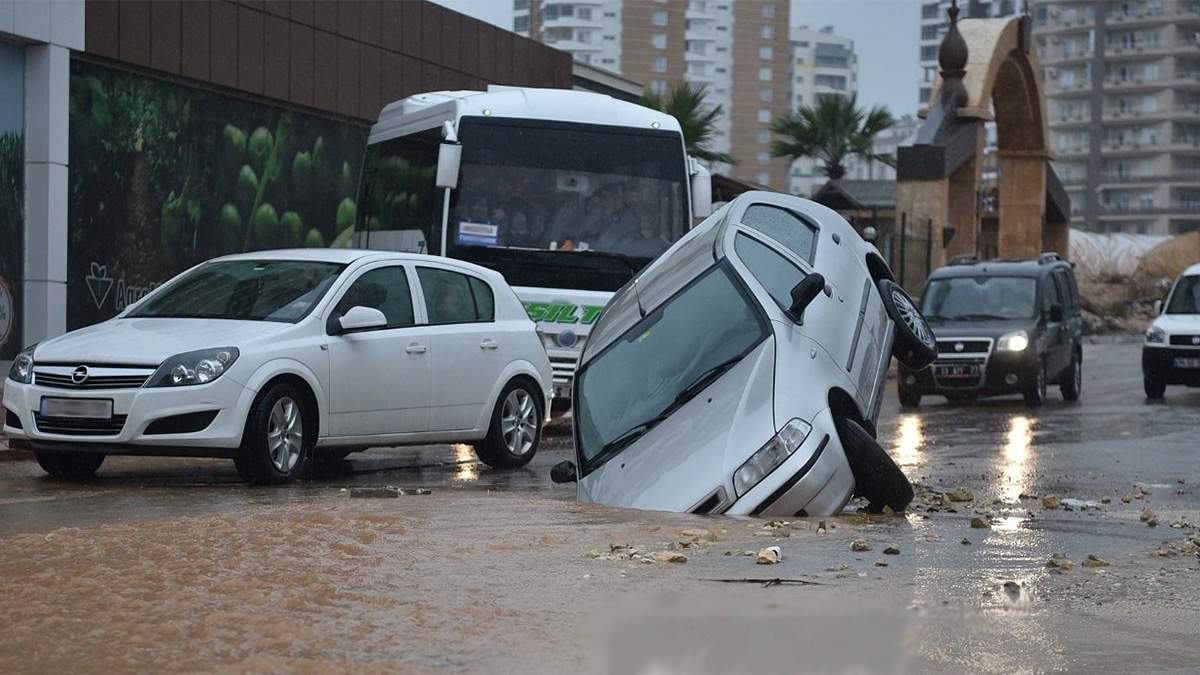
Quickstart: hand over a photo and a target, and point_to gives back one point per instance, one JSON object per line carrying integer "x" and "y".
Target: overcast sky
{"x": 885, "y": 34}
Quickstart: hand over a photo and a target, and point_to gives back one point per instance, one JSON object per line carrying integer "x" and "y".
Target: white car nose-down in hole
{"x": 742, "y": 371}
{"x": 268, "y": 357}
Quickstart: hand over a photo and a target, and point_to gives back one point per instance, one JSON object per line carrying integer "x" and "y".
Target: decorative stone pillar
{"x": 1022, "y": 203}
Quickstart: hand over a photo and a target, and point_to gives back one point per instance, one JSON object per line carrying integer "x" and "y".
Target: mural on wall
{"x": 164, "y": 176}
{"x": 12, "y": 197}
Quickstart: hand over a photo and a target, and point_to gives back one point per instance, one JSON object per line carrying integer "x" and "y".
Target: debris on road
{"x": 767, "y": 583}
{"x": 891, "y": 549}
{"x": 965, "y": 541}
{"x": 1051, "y": 502}
{"x": 670, "y": 557}
{"x": 1094, "y": 560}
{"x": 769, "y": 556}
{"x": 960, "y": 494}
{"x": 881, "y": 563}
{"x": 1072, "y": 504}
{"x": 1012, "y": 589}
{"x": 1149, "y": 517}
{"x": 1059, "y": 562}
{"x": 374, "y": 493}
{"x": 860, "y": 546}
{"x": 979, "y": 524}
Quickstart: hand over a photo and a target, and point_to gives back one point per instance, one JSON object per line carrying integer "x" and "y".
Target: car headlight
{"x": 22, "y": 366}
{"x": 770, "y": 456}
{"x": 198, "y": 367}
{"x": 1016, "y": 341}
{"x": 1156, "y": 335}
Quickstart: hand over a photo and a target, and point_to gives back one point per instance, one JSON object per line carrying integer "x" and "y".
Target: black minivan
{"x": 1002, "y": 327}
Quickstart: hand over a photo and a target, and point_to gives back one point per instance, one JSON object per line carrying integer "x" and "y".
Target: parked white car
{"x": 267, "y": 357}
{"x": 742, "y": 371}
{"x": 1171, "y": 354}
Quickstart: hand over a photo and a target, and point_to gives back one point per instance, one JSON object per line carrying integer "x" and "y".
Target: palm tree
{"x": 685, "y": 102}
{"x": 833, "y": 131}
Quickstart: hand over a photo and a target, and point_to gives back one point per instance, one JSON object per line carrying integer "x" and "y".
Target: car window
{"x": 1064, "y": 291}
{"x": 485, "y": 301}
{"x": 1074, "y": 292}
{"x": 1185, "y": 299}
{"x": 385, "y": 289}
{"x": 784, "y": 227}
{"x": 772, "y": 270}
{"x": 1049, "y": 293}
{"x": 449, "y": 297}
{"x": 712, "y": 322}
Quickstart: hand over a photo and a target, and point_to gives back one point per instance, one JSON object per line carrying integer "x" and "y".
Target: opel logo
{"x": 79, "y": 375}
{"x": 958, "y": 346}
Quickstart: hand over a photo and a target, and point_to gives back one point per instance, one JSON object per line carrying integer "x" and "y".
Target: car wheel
{"x": 1035, "y": 393}
{"x": 915, "y": 345}
{"x": 69, "y": 465}
{"x": 909, "y": 399}
{"x": 1072, "y": 382}
{"x": 1155, "y": 390}
{"x": 516, "y": 428}
{"x": 876, "y": 476}
{"x": 277, "y": 444}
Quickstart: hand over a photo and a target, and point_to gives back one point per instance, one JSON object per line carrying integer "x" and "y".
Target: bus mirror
{"x": 701, "y": 194}
{"x": 449, "y": 158}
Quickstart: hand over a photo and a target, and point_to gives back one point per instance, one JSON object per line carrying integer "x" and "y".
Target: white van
{"x": 1171, "y": 354}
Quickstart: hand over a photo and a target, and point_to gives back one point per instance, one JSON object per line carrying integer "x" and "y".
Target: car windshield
{"x": 663, "y": 360}
{"x": 1185, "y": 299}
{"x": 249, "y": 290}
{"x": 979, "y": 298}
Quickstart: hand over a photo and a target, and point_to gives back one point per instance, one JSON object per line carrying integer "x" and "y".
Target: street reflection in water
{"x": 1017, "y": 462}
{"x": 910, "y": 441}
{"x": 467, "y": 470}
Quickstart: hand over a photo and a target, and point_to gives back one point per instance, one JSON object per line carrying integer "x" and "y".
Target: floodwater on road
{"x": 173, "y": 565}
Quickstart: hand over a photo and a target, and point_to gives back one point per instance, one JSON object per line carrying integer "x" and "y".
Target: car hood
{"x": 680, "y": 462}
{"x": 150, "y": 341}
{"x": 1177, "y": 323}
{"x": 990, "y": 329}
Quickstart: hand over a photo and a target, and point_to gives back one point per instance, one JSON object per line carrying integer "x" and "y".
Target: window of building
{"x": 766, "y": 53}
{"x": 519, "y": 5}
{"x": 929, "y": 53}
{"x": 658, "y": 86}
{"x": 765, "y": 74}
{"x": 764, "y": 136}
{"x": 583, "y": 36}
{"x": 929, "y": 10}
{"x": 521, "y": 23}
{"x": 768, "y": 11}
{"x": 762, "y": 178}
{"x": 583, "y": 13}
{"x": 658, "y": 40}
{"x": 763, "y": 158}
{"x": 659, "y": 18}
{"x": 659, "y": 64}
{"x": 768, "y": 32}
{"x": 930, "y": 31}
{"x": 836, "y": 82}
{"x": 764, "y": 116}
{"x": 766, "y": 94}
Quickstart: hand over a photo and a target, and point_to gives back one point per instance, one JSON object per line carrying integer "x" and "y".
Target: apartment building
{"x": 1123, "y": 83}
{"x": 739, "y": 48}
{"x": 933, "y": 27}
{"x": 822, "y": 63}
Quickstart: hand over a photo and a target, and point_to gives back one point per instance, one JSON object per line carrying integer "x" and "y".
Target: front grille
{"x": 960, "y": 381}
{"x": 1185, "y": 340}
{"x": 949, "y": 347}
{"x": 563, "y": 367}
{"x": 61, "y": 376}
{"x": 75, "y": 426}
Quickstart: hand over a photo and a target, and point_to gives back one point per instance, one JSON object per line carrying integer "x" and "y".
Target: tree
{"x": 685, "y": 102}
{"x": 833, "y": 131}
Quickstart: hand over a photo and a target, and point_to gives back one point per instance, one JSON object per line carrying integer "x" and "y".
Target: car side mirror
{"x": 563, "y": 472}
{"x": 1056, "y": 312}
{"x": 1158, "y": 307}
{"x": 803, "y": 294}
{"x": 360, "y": 318}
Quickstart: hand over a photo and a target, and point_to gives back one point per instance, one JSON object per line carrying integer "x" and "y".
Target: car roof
{"x": 1192, "y": 271}
{"x": 999, "y": 268}
{"x": 347, "y": 256}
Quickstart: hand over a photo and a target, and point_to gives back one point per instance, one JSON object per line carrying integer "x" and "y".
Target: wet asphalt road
{"x": 173, "y": 564}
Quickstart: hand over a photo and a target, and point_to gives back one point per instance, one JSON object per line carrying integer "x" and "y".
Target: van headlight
{"x": 1016, "y": 341}
{"x": 22, "y": 366}
{"x": 770, "y": 456}
{"x": 1156, "y": 336}
{"x": 198, "y": 367}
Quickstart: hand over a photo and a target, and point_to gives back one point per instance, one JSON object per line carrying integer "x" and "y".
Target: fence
{"x": 909, "y": 251}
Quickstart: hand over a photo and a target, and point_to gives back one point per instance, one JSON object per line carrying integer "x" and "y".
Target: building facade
{"x": 822, "y": 63}
{"x": 140, "y": 138}
{"x": 1123, "y": 83}
{"x": 739, "y": 48}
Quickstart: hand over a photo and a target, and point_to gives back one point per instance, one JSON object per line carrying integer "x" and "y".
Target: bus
{"x": 566, "y": 193}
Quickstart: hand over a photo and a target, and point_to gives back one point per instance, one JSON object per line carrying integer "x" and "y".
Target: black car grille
{"x": 93, "y": 382}
{"x": 1185, "y": 340}
{"x": 949, "y": 347}
{"x": 76, "y": 426}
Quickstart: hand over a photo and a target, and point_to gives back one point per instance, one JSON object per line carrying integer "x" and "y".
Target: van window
{"x": 784, "y": 227}
{"x": 1049, "y": 293}
{"x": 1185, "y": 299}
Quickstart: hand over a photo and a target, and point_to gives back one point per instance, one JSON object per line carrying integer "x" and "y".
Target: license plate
{"x": 1187, "y": 362}
{"x": 956, "y": 370}
{"x": 84, "y": 408}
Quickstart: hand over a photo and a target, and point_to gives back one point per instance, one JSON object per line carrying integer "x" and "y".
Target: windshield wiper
{"x": 977, "y": 317}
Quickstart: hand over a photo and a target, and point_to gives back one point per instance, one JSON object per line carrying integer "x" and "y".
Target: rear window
{"x": 784, "y": 227}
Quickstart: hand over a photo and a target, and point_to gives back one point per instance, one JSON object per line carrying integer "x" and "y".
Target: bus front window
{"x": 399, "y": 209}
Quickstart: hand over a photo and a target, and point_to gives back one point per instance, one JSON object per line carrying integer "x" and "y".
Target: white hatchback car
{"x": 1171, "y": 354}
{"x": 743, "y": 370}
{"x": 265, "y": 357}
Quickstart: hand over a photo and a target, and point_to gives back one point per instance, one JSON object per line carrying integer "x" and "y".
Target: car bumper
{"x": 139, "y": 408}
{"x": 1159, "y": 364}
{"x": 815, "y": 481}
{"x": 1002, "y": 373}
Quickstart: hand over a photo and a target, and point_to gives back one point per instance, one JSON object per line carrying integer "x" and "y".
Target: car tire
{"x": 1035, "y": 393}
{"x": 909, "y": 399}
{"x": 69, "y": 465}
{"x": 277, "y": 445}
{"x": 915, "y": 345}
{"x": 1072, "y": 380}
{"x": 1155, "y": 390}
{"x": 516, "y": 428}
{"x": 876, "y": 476}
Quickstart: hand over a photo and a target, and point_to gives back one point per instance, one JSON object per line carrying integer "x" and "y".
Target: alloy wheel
{"x": 912, "y": 318}
{"x": 285, "y": 434}
{"x": 518, "y": 422}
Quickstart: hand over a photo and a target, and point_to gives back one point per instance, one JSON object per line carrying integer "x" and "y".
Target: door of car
{"x": 381, "y": 377}
{"x": 1072, "y": 322}
{"x": 467, "y": 345}
{"x": 1057, "y": 345}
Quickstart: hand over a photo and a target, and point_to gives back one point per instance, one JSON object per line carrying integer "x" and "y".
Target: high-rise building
{"x": 933, "y": 27}
{"x": 1123, "y": 86}
{"x": 822, "y": 63}
{"x": 739, "y": 48}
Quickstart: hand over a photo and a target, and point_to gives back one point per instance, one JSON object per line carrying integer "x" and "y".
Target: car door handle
{"x": 489, "y": 344}
{"x": 415, "y": 348}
